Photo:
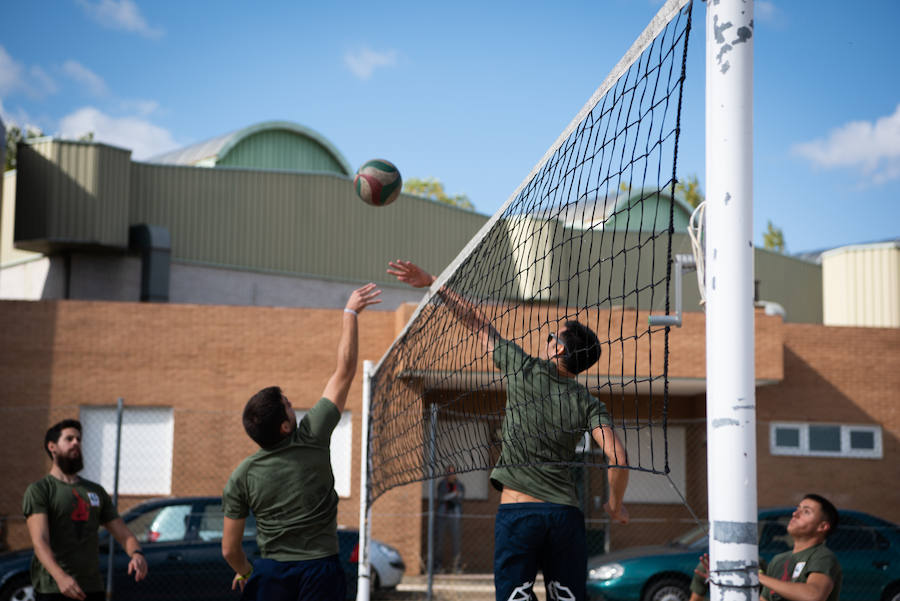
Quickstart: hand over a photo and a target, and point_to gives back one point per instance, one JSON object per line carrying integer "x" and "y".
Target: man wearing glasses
{"x": 539, "y": 524}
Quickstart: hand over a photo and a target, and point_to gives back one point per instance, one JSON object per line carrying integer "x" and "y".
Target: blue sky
{"x": 472, "y": 93}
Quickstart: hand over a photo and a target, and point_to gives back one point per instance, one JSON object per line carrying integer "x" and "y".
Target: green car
{"x": 867, "y": 547}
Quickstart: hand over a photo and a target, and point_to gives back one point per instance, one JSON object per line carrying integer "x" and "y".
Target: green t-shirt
{"x": 75, "y": 512}
{"x": 290, "y": 490}
{"x": 546, "y": 417}
{"x": 796, "y": 567}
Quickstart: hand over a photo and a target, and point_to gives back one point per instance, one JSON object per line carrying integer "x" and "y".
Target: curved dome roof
{"x": 271, "y": 144}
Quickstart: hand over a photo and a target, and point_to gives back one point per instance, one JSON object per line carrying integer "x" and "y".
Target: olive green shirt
{"x": 546, "y": 417}
{"x": 796, "y": 567}
{"x": 75, "y": 513}
{"x": 290, "y": 490}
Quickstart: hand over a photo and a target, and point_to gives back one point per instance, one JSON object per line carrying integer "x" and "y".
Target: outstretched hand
{"x": 363, "y": 297}
{"x": 412, "y": 274}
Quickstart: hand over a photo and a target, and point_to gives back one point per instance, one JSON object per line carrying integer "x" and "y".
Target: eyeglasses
{"x": 551, "y": 337}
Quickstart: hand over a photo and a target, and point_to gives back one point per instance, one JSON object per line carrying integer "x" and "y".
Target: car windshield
{"x": 693, "y": 538}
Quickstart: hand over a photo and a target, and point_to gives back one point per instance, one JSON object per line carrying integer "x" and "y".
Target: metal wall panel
{"x": 293, "y": 223}
{"x": 72, "y": 193}
{"x": 862, "y": 285}
{"x": 795, "y": 284}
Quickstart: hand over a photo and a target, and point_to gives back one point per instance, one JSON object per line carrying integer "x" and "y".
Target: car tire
{"x": 668, "y": 589}
{"x": 892, "y": 593}
{"x": 18, "y": 589}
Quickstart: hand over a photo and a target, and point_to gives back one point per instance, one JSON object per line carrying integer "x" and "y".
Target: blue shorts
{"x": 311, "y": 579}
{"x": 539, "y": 536}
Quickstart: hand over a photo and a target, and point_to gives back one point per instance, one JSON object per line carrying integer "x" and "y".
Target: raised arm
{"x": 348, "y": 346}
{"x": 138, "y": 564}
{"x": 461, "y": 307}
{"x": 617, "y": 472}
{"x": 39, "y": 530}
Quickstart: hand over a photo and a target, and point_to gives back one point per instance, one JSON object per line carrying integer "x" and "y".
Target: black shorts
{"x": 311, "y": 579}
{"x": 539, "y": 536}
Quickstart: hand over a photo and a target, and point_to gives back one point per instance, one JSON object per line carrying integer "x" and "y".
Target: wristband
{"x": 245, "y": 576}
{"x": 138, "y": 552}
{"x": 350, "y": 311}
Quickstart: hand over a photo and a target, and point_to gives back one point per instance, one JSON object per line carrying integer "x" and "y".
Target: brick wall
{"x": 205, "y": 361}
{"x": 838, "y": 375}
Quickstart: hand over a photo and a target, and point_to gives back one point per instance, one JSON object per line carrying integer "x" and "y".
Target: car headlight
{"x": 391, "y": 553}
{"x": 607, "y": 571}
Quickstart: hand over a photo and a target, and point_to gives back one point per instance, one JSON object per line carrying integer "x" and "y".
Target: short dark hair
{"x": 263, "y": 415}
{"x": 830, "y": 511}
{"x": 582, "y": 347}
{"x": 55, "y": 432}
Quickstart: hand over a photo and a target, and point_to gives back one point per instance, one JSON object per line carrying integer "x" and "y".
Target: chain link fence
{"x": 181, "y": 536}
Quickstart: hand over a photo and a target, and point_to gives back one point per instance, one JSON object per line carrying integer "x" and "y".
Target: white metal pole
{"x": 730, "y": 368}
{"x": 363, "y": 580}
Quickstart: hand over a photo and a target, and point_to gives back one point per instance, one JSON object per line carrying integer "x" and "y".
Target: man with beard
{"x": 810, "y": 571}
{"x": 289, "y": 485}
{"x": 63, "y": 513}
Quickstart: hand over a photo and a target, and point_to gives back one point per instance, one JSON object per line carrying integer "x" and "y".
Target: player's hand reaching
{"x": 363, "y": 297}
{"x": 412, "y": 274}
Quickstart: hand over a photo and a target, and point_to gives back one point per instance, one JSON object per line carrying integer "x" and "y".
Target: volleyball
{"x": 378, "y": 182}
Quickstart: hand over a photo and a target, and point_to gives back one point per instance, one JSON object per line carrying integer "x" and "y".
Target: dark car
{"x": 867, "y": 547}
{"x": 182, "y": 542}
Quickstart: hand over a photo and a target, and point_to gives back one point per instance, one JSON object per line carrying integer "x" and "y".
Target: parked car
{"x": 181, "y": 538}
{"x": 867, "y": 547}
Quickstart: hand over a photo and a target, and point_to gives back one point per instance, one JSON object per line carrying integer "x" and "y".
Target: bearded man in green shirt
{"x": 539, "y": 523}
{"x": 63, "y": 512}
{"x": 810, "y": 571}
{"x": 289, "y": 486}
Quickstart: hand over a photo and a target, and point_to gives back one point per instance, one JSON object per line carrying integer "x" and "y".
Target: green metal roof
{"x": 267, "y": 145}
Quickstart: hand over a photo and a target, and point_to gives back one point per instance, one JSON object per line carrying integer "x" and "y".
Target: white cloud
{"x": 873, "y": 148}
{"x": 92, "y": 82}
{"x": 142, "y": 137}
{"x": 14, "y": 77}
{"x": 764, "y": 10}
{"x": 11, "y": 73}
{"x": 364, "y": 62}
{"x": 120, "y": 14}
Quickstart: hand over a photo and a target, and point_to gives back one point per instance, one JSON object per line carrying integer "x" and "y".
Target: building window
{"x": 825, "y": 440}
{"x": 145, "y": 457}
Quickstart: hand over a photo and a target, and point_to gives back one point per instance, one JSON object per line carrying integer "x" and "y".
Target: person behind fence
{"x": 288, "y": 484}
{"x": 810, "y": 571}
{"x": 450, "y": 495}
{"x": 64, "y": 512}
{"x": 539, "y": 523}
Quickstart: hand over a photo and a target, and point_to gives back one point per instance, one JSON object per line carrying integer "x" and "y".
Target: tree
{"x": 690, "y": 190}
{"x": 773, "y": 238}
{"x": 433, "y": 189}
{"x": 13, "y": 137}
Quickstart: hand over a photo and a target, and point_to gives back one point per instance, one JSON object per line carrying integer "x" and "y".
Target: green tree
{"x": 690, "y": 190}
{"x": 13, "y": 137}
{"x": 773, "y": 238}
{"x": 434, "y": 189}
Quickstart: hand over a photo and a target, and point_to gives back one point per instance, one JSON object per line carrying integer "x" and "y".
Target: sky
{"x": 472, "y": 93}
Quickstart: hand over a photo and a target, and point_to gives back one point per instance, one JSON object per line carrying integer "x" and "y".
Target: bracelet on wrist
{"x": 137, "y": 552}
{"x": 350, "y": 311}
{"x": 245, "y": 576}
